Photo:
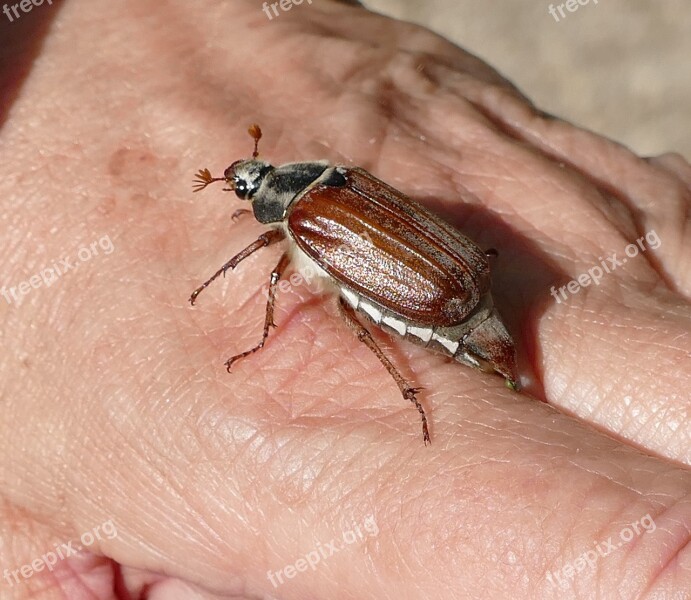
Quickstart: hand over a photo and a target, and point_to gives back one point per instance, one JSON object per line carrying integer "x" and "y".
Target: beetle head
{"x": 245, "y": 176}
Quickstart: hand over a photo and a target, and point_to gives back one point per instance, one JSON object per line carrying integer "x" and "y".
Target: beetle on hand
{"x": 390, "y": 260}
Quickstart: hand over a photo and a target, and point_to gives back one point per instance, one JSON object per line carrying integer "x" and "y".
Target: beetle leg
{"x": 269, "y": 318}
{"x": 265, "y": 239}
{"x": 366, "y": 338}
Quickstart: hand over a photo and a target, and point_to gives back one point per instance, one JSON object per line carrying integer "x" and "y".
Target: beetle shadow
{"x": 22, "y": 41}
{"x": 523, "y": 275}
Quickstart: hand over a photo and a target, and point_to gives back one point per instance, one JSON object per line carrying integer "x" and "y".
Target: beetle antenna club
{"x": 405, "y": 269}
{"x": 204, "y": 178}
{"x": 256, "y": 132}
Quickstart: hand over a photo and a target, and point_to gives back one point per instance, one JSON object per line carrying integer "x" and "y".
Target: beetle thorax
{"x": 280, "y": 186}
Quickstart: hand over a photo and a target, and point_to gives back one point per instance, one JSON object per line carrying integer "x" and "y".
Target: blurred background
{"x": 619, "y": 67}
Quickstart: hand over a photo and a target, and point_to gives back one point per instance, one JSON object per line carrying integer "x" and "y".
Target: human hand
{"x": 118, "y": 408}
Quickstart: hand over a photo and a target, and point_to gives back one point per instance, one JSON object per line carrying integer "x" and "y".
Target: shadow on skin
{"x": 22, "y": 41}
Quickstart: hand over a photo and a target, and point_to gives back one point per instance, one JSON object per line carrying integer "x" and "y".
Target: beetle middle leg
{"x": 366, "y": 338}
{"x": 269, "y": 318}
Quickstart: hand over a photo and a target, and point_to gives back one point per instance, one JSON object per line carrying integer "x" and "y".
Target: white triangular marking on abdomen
{"x": 351, "y": 298}
{"x": 396, "y": 324}
{"x": 424, "y": 333}
{"x": 372, "y": 312}
{"x": 450, "y": 345}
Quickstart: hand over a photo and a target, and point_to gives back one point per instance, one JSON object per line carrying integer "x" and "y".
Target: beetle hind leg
{"x": 408, "y": 392}
{"x": 269, "y": 317}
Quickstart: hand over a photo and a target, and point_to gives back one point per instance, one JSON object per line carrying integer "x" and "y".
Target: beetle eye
{"x": 241, "y": 188}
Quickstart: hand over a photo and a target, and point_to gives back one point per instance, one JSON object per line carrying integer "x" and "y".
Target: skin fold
{"x": 116, "y": 404}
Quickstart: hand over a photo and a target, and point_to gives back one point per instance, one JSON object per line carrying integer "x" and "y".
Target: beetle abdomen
{"x": 374, "y": 240}
{"x": 425, "y": 335}
{"x": 481, "y": 341}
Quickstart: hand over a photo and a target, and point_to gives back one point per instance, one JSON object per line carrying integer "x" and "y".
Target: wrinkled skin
{"x": 116, "y": 404}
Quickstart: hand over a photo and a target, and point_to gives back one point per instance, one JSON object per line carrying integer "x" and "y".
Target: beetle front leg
{"x": 238, "y": 213}
{"x": 265, "y": 239}
{"x": 269, "y": 318}
{"x": 366, "y": 338}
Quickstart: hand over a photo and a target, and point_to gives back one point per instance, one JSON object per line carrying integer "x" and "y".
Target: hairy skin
{"x": 116, "y": 403}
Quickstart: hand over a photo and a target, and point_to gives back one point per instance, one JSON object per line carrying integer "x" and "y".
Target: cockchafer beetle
{"x": 389, "y": 259}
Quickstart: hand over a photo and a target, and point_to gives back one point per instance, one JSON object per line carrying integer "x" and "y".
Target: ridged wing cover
{"x": 389, "y": 249}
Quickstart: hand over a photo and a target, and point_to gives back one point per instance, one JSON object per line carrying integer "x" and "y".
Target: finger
{"x": 657, "y": 197}
{"x": 358, "y": 29}
{"x": 35, "y": 565}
